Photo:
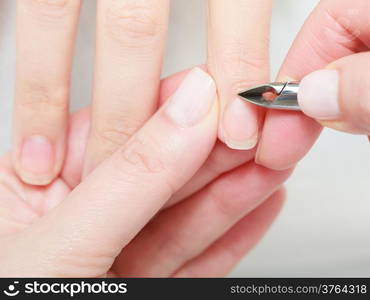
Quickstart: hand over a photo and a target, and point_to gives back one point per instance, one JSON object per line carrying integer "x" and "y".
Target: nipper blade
{"x": 284, "y": 95}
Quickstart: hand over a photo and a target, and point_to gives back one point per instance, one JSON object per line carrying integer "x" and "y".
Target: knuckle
{"x": 115, "y": 136}
{"x": 42, "y": 98}
{"x": 115, "y": 128}
{"x": 249, "y": 65}
{"x": 138, "y": 153}
{"x": 133, "y": 23}
{"x": 241, "y": 63}
{"x": 339, "y": 29}
{"x": 146, "y": 158}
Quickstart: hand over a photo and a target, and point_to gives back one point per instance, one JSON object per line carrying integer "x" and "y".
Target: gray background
{"x": 324, "y": 229}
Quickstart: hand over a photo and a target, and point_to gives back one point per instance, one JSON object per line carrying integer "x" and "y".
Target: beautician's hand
{"x": 72, "y": 229}
{"x": 332, "y": 37}
{"x": 339, "y": 95}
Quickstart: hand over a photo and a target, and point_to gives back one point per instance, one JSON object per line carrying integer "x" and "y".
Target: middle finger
{"x": 129, "y": 53}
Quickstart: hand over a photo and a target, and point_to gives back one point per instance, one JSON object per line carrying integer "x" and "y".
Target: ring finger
{"x": 238, "y": 57}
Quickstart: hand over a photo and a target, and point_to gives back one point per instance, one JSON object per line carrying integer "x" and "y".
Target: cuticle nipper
{"x": 274, "y": 95}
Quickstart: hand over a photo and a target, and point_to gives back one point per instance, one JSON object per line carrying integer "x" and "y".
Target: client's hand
{"x": 70, "y": 228}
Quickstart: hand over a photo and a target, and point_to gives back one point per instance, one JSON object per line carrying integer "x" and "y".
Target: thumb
{"x": 84, "y": 234}
{"x": 339, "y": 96}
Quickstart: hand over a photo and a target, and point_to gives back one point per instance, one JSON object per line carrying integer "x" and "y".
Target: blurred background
{"x": 324, "y": 228}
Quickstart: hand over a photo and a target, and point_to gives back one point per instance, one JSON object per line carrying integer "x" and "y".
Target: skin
{"x": 129, "y": 53}
{"x": 130, "y": 46}
{"x": 205, "y": 234}
{"x": 238, "y": 57}
{"x": 346, "y": 49}
{"x": 130, "y": 43}
{"x": 52, "y": 214}
{"x": 331, "y": 37}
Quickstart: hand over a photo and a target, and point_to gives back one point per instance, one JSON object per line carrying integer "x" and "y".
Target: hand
{"x": 128, "y": 60}
{"x": 338, "y": 96}
{"x": 129, "y": 51}
{"x": 72, "y": 229}
{"x": 238, "y": 58}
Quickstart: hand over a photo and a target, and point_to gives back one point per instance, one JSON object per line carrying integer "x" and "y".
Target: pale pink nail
{"x": 37, "y": 160}
{"x": 239, "y": 125}
{"x": 318, "y": 95}
{"x": 193, "y": 99}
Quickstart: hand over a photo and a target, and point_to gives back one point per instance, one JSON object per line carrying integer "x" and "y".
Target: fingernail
{"x": 318, "y": 95}
{"x": 193, "y": 99}
{"x": 36, "y": 160}
{"x": 239, "y": 125}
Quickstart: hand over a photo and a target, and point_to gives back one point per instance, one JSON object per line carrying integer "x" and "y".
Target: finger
{"x": 45, "y": 39}
{"x": 221, "y": 160}
{"x": 238, "y": 57}
{"x": 77, "y": 139}
{"x": 169, "y": 84}
{"x": 130, "y": 46}
{"x": 227, "y": 251}
{"x": 335, "y": 29}
{"x": 181, "y": 233}
{"x": 111, "y": 205}
{"x": 15, "y": 213}
{"x": 79, "y": 125}
{"x": 213, "y": 167}
{"x": 338, "y": 97}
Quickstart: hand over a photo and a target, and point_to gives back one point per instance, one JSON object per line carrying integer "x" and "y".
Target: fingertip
{"x": 318, "y": 95}
{"x": 35, "y": 160}
{"x": 239, "y": 125}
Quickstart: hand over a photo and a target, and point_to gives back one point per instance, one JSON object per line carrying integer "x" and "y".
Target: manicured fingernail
{"x": 239, "y": 125}
{"x": 193, "y": 99}
{"x": 37, "y": 160}
{"x": 318, "y": 95}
